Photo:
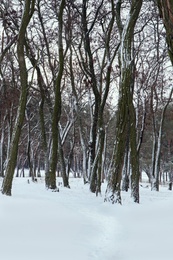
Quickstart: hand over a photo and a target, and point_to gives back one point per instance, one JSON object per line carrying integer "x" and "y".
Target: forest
{"x": 86, "y": 90}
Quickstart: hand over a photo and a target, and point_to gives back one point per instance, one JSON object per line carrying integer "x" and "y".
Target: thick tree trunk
{"x": 2, "y": 151}
{"x": 62, "y": 163}
{"x": 7, "y": 183}
{"x": 100, "y": 155}
{"x": 113, "y": 192}
{"x": 166, "y": 13}
{"x": 134, "y": 155}
{"x": 96, "y": 174}
{"x": 126, "y": 112}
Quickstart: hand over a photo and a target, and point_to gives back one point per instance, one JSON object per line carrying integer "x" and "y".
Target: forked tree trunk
{"x": 126, "y": 110}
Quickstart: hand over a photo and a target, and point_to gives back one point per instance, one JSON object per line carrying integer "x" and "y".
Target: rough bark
{"x": 126, "y": 111}
{"x": 126, "y": 171}
{"x": 62, "y": 163}
{"x": 134, "y": 155}
{"x": 2, "y": 148}
{"x": 166, "y": 14}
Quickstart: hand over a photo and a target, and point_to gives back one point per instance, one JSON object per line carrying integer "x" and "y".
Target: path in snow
{"x": 36, "y": 224}
{"x": 41, "y": 225}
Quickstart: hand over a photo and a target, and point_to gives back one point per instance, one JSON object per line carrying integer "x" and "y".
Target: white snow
{"x": 73, "y": 224}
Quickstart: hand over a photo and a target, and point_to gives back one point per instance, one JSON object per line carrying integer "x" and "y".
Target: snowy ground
{"x": 36, "y": 224}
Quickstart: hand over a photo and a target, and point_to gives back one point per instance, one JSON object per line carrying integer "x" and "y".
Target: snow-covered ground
{"x": 73, "y": 224}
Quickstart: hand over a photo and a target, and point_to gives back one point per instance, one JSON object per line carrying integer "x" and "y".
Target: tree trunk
{"x": 108, "y": 58}
{"x": 45, "y": 98}
{"x": 134, "y": 155}
{"x": 113, "y": 192}
{"x": 126, "y": 171}
{"x": 2, "y": 150}
{"x": 62, "y": 163}
{"x": 155, "y": 184}
{"x": 57, "y": 103}
{"x": 44, "y": 138}
{"x": 97, "y": 96}
{"x": 166, "y": 13}
{"x": 7, "y": 183}
{"x": 126, "y": 111}
{"x": 79, "y": 121}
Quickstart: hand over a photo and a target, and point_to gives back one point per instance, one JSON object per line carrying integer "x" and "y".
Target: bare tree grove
{"x": 86, "y": 91}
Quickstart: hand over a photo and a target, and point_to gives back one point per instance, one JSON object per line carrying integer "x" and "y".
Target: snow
{"x": 38, "y": 224}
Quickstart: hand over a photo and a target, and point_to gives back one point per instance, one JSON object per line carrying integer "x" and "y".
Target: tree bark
{"x": 166, "y": 13}
{"x": 155, "y": 181}
{"x": 79, "y": 121}
{"x": 57, "y": 103}
{"x": 97, "y": 96}
{"x": 126, "y": 110}
{"x": 27, "y": 14}
{"x": 108, "y": 58}
{"x": 62, "y": 163}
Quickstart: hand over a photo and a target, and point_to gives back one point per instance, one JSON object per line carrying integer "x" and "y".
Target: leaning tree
{"x": 9, "y": 172}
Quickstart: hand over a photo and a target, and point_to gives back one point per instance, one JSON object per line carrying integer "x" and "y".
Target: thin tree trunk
{"x": 97, "y": 96}
{"x": 79, "y": 122}
{"x": 159, "y": 142}
{"x": 45, "y": 98}
{"x": 57, "y": 104}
